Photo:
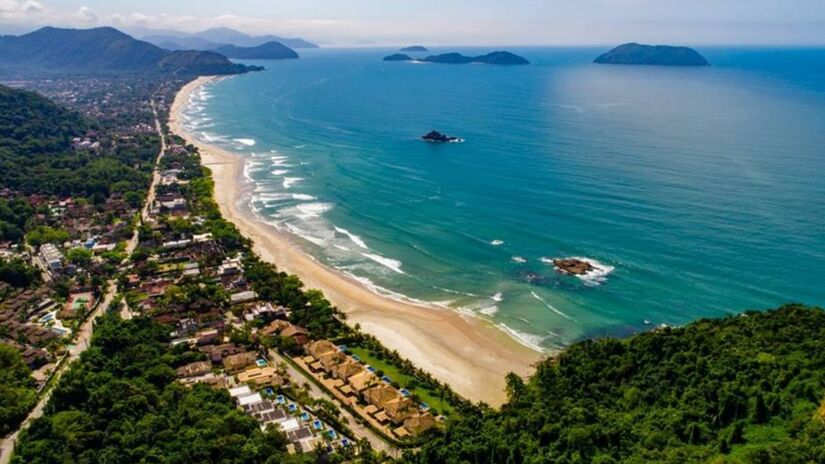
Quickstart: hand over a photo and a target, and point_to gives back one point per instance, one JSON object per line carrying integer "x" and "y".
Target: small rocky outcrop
{"x": 572, "y": 266}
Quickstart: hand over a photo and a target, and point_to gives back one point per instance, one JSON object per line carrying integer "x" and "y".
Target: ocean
{"x": 695, "y": 192}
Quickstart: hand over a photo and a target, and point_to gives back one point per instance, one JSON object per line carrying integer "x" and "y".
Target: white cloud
{"x": 565, "y": 26}
{"x": 16, "y": 10}
{"x": 84, "y": 14}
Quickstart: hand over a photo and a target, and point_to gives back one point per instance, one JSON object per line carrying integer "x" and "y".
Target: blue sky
{"x": 479, "y": 22}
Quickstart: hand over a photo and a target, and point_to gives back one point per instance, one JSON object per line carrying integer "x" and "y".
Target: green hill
{"x": 103, "y": 50}
{"x": 267, "y": 51}
{"x": 747, "y": 388}
{"x": 33, "y": 124}
{"x": 36, "y": 154}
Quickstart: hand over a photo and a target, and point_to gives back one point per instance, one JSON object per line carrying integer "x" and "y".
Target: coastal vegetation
{"x": 120, "y": 403}
{"x": 748, "y": 388}
{"x": 37, "y": 156}
{"x": 17, "y": 389}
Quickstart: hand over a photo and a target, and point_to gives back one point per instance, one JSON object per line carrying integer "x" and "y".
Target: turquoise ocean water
{"x": 696, "y": 192}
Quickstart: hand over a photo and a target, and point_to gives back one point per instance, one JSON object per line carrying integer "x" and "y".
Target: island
{"x": 414, "y": 48}
{"x": 438, "y": 137}
{"x": 398, "y": 57}
{"x": 497, "y": 58}
{"x": 660, "y": 55}
{"x": 572, "y": 266}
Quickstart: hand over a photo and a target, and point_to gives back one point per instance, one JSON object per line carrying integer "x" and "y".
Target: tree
{"x": 17, "y": 273}
{"x": 17, "y": 389}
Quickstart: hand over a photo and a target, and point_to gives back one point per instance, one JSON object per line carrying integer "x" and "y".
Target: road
{"x": 83, "y": 337}
{"x": 360, "y": 431}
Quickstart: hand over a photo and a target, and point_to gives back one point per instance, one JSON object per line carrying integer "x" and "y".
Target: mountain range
{"x": 102, "y": 50}
{"x": 217, "y": 37}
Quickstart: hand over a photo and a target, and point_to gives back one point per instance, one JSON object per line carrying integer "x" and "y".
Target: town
{"x": 282, "y": 353}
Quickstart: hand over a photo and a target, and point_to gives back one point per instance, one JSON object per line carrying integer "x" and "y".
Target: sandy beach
{"x": 470, "y": 354}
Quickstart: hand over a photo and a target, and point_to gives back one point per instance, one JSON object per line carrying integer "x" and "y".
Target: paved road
{"x": 360, "y": 431}
{"x": 84, "y": 335}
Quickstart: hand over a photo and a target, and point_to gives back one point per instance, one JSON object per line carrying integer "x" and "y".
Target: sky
{"x": 448, "y": 22}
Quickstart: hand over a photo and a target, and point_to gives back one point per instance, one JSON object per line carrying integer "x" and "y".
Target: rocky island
{"x": 438, "y": 137}
{"x": 661, "y": 55}
{"x": 398, "y": 57}
{"x": 414, "y": 48}
{"x": 573, "y": 266}
{"x": 499, "y": 58}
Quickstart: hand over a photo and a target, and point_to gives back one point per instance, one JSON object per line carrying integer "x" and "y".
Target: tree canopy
{"x": 120, "y": 403}
{"x": 747, "y": 388}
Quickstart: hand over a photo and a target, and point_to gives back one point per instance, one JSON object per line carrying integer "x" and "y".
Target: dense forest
{"x": 37, "y": 157}
{"x": 120, "y": 403}
{"x": 747, "y": 388}
{"x": 17, "y": 392}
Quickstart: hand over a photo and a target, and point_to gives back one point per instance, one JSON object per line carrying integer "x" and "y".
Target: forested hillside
{"x": 17, "y": 393}
{"x": 36, "y": 153}
{"x": 748, "y": 388}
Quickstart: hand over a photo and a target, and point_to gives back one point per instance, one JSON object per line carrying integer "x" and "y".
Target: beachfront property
{"x": 237, "y": 362}
{"x": 375, "y": 400}
{"x": 303, "y": 429}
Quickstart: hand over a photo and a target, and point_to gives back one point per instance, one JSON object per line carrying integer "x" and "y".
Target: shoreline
{"x": 469, "y": 354}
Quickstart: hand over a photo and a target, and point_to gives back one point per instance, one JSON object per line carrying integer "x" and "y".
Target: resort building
{"x": 238, "y": 362}
{"x": 195, "y": 369}
{"x": 261, "y": 376}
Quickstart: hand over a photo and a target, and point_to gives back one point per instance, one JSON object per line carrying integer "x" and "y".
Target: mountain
{"x": 103, "y": 50}
{"x": 662, "y": 55}
{"x": 498, "y": 58}
{"x": 170, "y": 42}
{"x": 268, "y": 51}
{"x": 414, "y": 48}
{"x": 225, "y": 35}
{"x": 211, "y": 39}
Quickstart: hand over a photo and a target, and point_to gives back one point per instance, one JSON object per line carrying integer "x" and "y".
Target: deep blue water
{"x": 703, "y": 189}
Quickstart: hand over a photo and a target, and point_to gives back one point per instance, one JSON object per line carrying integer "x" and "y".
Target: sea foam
{"x": 355, "y": 239}
{"x": 527, "y": 339}
{"x": 549, "y": 306}
{"x": 389, "y": 263}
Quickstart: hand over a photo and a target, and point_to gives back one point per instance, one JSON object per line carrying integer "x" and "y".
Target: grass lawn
{"x": 391, "y": 371}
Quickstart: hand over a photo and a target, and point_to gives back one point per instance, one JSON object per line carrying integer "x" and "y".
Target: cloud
{"x": 84, "y": 14}
{"x": 16, "y": 10}
{"x": 617, "y": 21}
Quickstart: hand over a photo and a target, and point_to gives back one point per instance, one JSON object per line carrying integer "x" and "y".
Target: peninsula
{"x": 660, "y": 55}
{"x": 269, "y": 51}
